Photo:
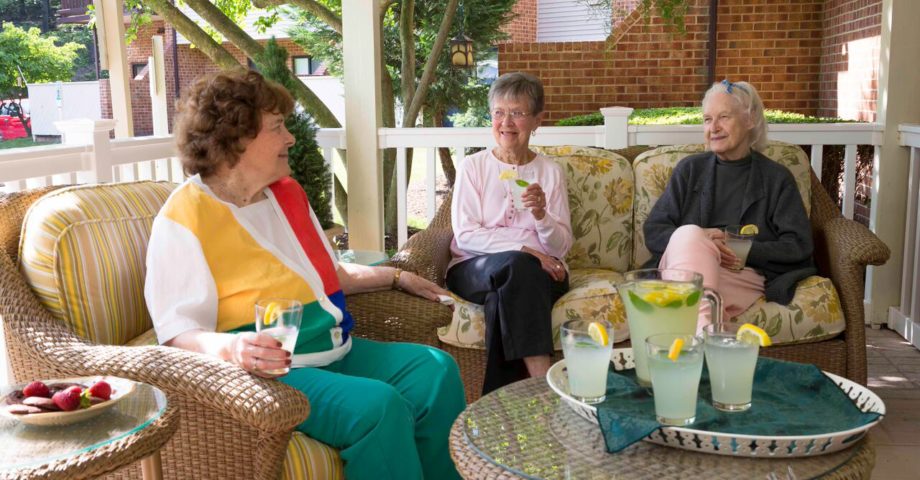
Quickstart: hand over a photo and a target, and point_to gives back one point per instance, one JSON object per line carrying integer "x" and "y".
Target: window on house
{"x": 138, "y": 70}
{"x": 304, "y": 65}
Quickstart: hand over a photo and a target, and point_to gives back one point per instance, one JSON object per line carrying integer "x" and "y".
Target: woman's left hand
{"x": 535, "y": 199}
{"x": 420, "y": 287}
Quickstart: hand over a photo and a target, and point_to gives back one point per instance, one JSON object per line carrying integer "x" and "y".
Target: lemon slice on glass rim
{"x": 272, "y": 311}
{"x": 674, "y": 351}
{"x": 749, "y": 229}
{"x": 754, "y": 335}
{"x": 598, "y": 333}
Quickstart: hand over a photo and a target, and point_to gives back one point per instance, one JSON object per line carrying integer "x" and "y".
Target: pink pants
{"x": 690, "y": 249}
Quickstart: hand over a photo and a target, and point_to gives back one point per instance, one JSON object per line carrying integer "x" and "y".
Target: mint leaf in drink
{"x": 522, "y": 183}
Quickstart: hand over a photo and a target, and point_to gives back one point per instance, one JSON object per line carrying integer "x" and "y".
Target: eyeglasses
{"x": 729, "y": 86}
{"x": 499, "y": 115}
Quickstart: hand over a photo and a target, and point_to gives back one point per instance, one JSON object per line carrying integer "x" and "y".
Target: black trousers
{"x": 518, "y": 297}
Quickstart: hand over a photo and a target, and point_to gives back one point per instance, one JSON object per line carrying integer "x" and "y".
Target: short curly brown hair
{"x": 219, "y": 112}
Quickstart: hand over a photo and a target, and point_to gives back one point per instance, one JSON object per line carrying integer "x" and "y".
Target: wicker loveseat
{"x": 55, "y": 327}
{"x": 610, "y": 196}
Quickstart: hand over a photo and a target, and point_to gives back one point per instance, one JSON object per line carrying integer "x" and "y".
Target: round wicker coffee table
{"x": 134, "y": 429}
{"x": 524, "y": 431}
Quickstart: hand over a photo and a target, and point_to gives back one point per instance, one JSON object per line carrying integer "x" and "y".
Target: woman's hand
{"x": 535, "y": 200}
{"x": 727, "y": 259}
{"x": 420, "y": 287}
{"x": 257, "y": 352}
{"x": 550, "y": 265}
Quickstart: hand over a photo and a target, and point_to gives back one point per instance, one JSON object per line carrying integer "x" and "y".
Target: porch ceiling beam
{"x": 363, "y": 117}
{"x": 898, "y": 103}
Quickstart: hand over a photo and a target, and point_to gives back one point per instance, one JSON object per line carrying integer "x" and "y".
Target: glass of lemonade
{"x": 675, "y": 378}
{"x": 587, "y": 359}
{"x": 731, "y": 364}
{"x": 518, "y": 186}
{"x": 740, "y": 243}
{"x": 280, "y": 319}
{"x": 663, "y": 301}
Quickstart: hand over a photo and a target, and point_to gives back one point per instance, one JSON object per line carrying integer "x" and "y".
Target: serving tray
{"x": 721, "y": 443}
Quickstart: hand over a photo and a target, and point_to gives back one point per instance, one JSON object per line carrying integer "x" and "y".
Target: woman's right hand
{"x": 257, "y": 352}
{"x": 551, "y": 265}
{"x": 727, "y": 259}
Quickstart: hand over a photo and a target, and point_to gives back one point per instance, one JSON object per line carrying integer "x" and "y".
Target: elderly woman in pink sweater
{"x": 508, "y": 259}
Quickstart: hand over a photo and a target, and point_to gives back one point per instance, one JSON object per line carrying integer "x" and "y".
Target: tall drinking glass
{"x": 663, "y": 301}
{"x": 740, "y": 243}
{"x": 280, "y": 319}
{"x": 675, "y": 380}
{"x": 731, "y": 364}
{"x": 586, "y": 359}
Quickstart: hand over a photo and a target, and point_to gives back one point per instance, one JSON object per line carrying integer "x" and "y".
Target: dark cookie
{"x": 42, "y": 403}
{"x": 21, "y": 409}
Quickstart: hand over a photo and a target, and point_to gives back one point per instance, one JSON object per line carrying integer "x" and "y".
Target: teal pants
{"x": 387, "y": 407}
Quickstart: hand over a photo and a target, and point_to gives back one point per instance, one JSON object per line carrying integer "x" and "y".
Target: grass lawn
{"x": 23, "y": 143}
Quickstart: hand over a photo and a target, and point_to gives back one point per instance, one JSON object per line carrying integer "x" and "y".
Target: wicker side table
{"x": 135, "y": 429}
{"x": 524, "y": 431}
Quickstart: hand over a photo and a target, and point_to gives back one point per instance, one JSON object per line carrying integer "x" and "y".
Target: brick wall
{"x": 192, "y": 63}
{"x": 849, "y": 59}
{"x": 771, "y": 43}
{"x": 523, "y": 28}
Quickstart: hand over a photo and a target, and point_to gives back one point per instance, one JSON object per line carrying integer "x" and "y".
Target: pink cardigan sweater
{"x": 483, "y": 216}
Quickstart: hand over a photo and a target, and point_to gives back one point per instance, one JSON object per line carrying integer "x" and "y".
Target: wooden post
{"x": 117, "y": 61}
{"x": 363, "y": 117}
{"x": 157, "y": 75}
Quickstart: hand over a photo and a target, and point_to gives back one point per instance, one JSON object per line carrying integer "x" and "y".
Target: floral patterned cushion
{"x": 600, "y": 184}
{"x": 814, "y": 314}
{"x": 592, "y": 295}
{"x": 653, "y": 170}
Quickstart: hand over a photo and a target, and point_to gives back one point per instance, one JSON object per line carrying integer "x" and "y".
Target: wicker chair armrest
{"x": 394, "y": 316}
{"x": 266, "y": 405}
{"x": 849, "y": 242}
{"x": 427, "y": 253}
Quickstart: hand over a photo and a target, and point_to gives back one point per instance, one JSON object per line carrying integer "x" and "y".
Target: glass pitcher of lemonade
{"x": 663, "y": 301}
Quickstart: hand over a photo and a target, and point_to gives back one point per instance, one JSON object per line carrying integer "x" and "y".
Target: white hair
{"x": 748, "y": 101}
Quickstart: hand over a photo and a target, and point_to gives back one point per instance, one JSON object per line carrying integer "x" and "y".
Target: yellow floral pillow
{"x": 814, "y": 314}
{"x": 601, "y": 192}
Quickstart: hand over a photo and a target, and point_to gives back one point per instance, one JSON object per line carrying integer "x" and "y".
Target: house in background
{"x": 184, "y": 63}
{"x": 815, "y": 57}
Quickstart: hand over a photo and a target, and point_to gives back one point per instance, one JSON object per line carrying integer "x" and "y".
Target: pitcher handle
{"x": 715, "y": 304}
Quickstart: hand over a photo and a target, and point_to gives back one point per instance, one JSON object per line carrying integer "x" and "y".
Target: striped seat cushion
{"x": 310, "y": 459}
{"x": 83, "y": 249}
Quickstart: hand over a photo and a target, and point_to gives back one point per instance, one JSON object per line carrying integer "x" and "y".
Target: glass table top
{"x": 361, "y": 257}
{"x": 528, "y": 430}
{"x": 26, "y": 446}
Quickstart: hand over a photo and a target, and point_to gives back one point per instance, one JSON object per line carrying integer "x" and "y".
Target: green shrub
{"x": 685, "y": 116}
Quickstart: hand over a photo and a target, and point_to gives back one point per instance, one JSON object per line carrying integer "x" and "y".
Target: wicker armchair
{"x": 843, "y": 248}
{"x": 223, "y": 409}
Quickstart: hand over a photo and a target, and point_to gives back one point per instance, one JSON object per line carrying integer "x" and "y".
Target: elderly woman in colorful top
{"x": 505, "y": 258}
{"x": 733, "y": 184}
{"x": 241, "y": 230}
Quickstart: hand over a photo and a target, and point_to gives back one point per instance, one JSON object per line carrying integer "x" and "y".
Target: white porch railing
{"x": 818, "y": 135}
{"x": 905, "y": 318}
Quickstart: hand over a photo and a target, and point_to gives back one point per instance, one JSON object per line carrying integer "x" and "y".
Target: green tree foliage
{"x": 84, "y": 68}
{"x": 27, "y": 13}
{"x": 38, "y": 57}
{"x": 307, "y": 164}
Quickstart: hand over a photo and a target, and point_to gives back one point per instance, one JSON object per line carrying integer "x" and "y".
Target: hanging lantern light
{"x": 461, "y": 51}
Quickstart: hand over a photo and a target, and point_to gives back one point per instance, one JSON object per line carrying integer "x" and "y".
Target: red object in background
{"x": 11, "y": 128}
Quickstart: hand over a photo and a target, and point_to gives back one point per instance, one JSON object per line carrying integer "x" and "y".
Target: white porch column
{"x": 361, "y": 34}
{"x": 898, "y": 103}
{"x": 156, "y": 73}
{"x": 616, "y": 120}
{"x": 117, "y": 63}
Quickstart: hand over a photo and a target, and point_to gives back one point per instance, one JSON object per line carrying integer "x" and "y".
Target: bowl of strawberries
{"x": 64, "y": 401}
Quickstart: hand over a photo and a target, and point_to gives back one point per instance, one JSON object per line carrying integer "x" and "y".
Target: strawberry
{"x": 36, "y": 389}
{"x": 101, "y": 389}
{"x": 68, "y": 399}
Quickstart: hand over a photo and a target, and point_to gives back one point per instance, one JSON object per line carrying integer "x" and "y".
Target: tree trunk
{"x": 190, "y": 30}
{"x": 232, "y": 32}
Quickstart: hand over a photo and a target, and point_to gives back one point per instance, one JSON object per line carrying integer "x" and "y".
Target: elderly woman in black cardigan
{"x": 733, "y": 184}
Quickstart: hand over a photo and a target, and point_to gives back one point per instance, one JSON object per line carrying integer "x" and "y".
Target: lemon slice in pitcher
{"x": 272, "y": 311}
{"x": 754, "y": 335}
{"x": 674, "y": 351}
{"x": 749, "y": 229}
{"x": 598, "y": 333}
